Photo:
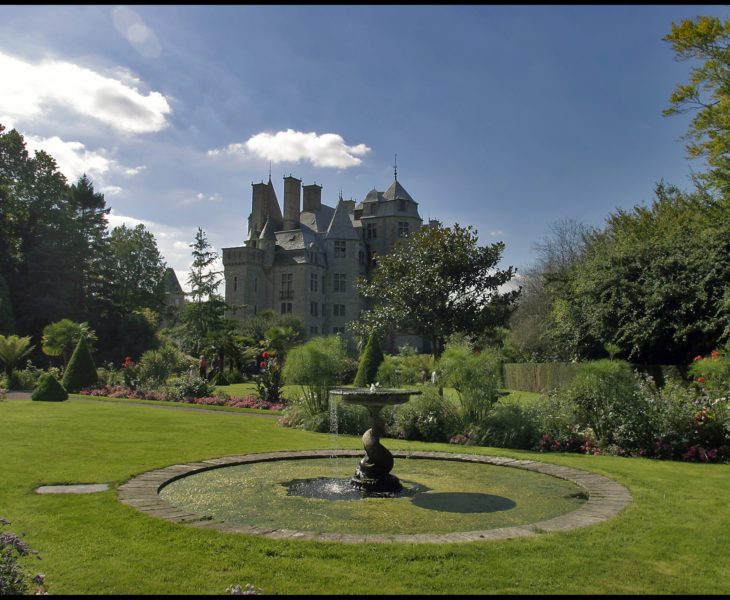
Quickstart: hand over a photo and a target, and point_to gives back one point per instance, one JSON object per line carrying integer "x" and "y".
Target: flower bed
{"x": 118, "y": 391}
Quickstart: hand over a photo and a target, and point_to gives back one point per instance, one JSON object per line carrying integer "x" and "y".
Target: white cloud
{"x": 496, "y": 233}
{"x": 131, "y": 26}
{"x": 32, "y": 90}
{"x": 72, "y": 158}
{"x": 326, "y": 150}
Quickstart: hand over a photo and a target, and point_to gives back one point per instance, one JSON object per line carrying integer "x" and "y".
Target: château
{"x": 305, "y": 260}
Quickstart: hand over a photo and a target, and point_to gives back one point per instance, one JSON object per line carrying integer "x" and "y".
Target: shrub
{"x": 604, "y": 392}
{"x": 49, "y": 390}
{"x": 81, "y": 371}
{"x": 12, "y": 575}
{"x": 316, "y": 366}
{"x": 506, "y": 426}
{"x": 405, "y": 368}
{"x": 426, "y": 417}
{"x": 190, "y": 387}
{"x": 476, "y": 377}
{"x": 268, "y": 379}
{"x": 156, "y": 366}
{"x": 12, "y": 350}
{"x": 712, "y": 374}
{"x": 370, "y": 360}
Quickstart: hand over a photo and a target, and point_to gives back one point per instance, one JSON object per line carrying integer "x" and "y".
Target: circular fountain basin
{"x": 446, "y": 497}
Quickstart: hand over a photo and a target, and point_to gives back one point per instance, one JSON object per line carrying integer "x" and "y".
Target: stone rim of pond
{"x": 606, "y": 498}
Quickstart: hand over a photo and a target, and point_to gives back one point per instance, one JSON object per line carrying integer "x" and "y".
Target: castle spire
{"x": 395, "y": 168}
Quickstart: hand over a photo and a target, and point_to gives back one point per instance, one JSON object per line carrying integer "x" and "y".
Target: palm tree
{"x": 12, "y": 350}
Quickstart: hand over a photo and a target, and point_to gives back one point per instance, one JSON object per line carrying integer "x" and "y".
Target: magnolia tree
{"x": 436, "y": 282}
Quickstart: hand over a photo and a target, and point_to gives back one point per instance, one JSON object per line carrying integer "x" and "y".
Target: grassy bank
{"x": 673, "y": 539}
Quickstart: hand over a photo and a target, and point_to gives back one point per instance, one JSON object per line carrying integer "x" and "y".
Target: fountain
{"x": 373, "y": 474}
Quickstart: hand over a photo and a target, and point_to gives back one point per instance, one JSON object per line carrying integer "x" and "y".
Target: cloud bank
{"x": 32, "y": 90}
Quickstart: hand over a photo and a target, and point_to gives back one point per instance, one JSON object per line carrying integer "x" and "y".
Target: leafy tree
{"x": 705, "y": 39}
{"x": 13, "y": 349}
{"x": 530, "y": 335}
{"x": 655, "y": 282}
{"x": 60, "y": 338}
{"x": 136, "y": 270}
{"x": 7, "y": 321}
{"x": 436, "y": 282}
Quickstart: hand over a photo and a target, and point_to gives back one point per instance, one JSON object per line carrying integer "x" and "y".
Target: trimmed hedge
{"x": 81, "y": 371}
{"x": 543, "y": 377}
{"x": 49, "y": 390}
{"x": 538, "y": 377}
{"x": 370, "y": 360}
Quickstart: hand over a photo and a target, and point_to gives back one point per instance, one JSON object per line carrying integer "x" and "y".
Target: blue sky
{"x": 506, "y": 118}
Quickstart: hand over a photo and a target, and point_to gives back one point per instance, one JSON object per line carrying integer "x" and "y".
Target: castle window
{"x": 314, "y": 309}
{"x": 255, "y": 284}
{"x": 285, "y": 308}
{"x": 402, "y": 228}
{"x": 340, "y": 248}
{"x": 340, "y": 282}
{"x": 287, "y": 290}
{"x": 371, "y": 231}
{"x": 361, "y": 257}
{"x": 337, "y": 330}
{"x": 338, "y": 310}
{"x": 402, "y": 204}
{"x": 235, "y": 283}
{"x": 313, "y": 283}
{"x": 313, "y": 330}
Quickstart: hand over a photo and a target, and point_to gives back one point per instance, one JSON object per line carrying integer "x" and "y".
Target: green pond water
{"x": 439, "y": 496}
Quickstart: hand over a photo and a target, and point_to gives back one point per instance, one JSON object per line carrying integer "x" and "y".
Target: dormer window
{"x": 340, "y": 248}
{"x": 402, "y": 204}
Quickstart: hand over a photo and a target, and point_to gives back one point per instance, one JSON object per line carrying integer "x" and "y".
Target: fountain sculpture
{"x": 373, "y": 473}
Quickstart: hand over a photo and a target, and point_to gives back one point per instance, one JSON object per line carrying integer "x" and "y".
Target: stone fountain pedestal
{"x": 373, "y": 473}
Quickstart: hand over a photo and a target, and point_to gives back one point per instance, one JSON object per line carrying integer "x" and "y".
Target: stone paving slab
{"x": 606, "y": 499}
{"x": 74, "y": 488}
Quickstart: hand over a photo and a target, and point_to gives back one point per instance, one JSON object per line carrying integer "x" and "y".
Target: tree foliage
{"x": 81, "y": 371}
{"x": 436, "y": 282}
{"x": 654, "y": 283}
{"x": 707, "y": 40}
{"x": 56, "y": 256}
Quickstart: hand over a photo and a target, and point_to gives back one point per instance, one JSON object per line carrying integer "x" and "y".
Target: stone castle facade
{"x": 305, "y": 260}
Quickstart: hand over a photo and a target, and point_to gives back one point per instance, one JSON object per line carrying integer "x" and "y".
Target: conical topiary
{"x": 48, "y": 389}
{"x": 370, "y": 360}
{"x": 81, "y": 371}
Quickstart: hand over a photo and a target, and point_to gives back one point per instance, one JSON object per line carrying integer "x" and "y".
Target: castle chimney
{"x": 257, "y": 219}
{"x": 312, "y": 200}
{"x": 292, "y": 195}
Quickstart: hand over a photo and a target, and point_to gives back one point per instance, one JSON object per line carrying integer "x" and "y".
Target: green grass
{"x": 673, "y": 539}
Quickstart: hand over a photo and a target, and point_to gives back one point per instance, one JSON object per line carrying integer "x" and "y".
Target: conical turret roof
{"x": 396, "y": 191}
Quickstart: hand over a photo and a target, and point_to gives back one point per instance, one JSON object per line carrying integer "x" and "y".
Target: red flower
{"x": 265, "y": 354}
{"x": 701, "y": 379}
{"x": 715, "y": 354}
{"x": 262, "y": 364}
{"x": 698, "y": 357}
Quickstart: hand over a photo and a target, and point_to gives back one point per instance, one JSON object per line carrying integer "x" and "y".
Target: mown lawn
{"x": 673, "y": 539}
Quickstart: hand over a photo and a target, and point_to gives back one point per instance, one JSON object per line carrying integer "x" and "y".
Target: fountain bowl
{"x": 378, "y": 397}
